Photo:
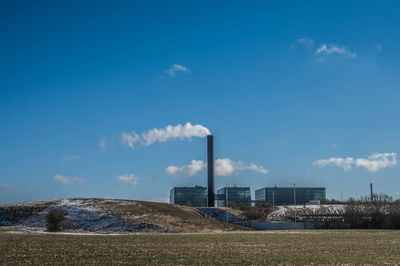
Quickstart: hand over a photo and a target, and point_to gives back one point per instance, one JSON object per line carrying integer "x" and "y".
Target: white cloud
{"x": 4, "y": 187}
{"x": 130, "y": 139}
{"x": 306, "y": 42}
{"x": 70, "y": 158}
{"x": 129, "y": 178}
{"x": 253, "y": 167}
{"x": 176, "y": 68}
{"x": 327, "y": 49}
{"x": 189, "y": 170}
{"x": 222, "y": 167}
{"x": 225, "y": 166}
{"x": 68, "y": 180}
{"x": 372, "y": 163}
{"x": 161, "y": 199}
{"x": 164, "y": 134}
{"x": 377, "y": 161}
{"x": 344, "y": 163}
{"x": 102, "y": 144}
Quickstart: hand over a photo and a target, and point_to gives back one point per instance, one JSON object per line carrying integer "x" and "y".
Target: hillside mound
{"x": 114, "y": 215}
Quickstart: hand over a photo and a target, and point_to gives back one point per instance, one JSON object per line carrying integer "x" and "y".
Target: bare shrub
{"x": 55, "y": 218}
{"x": 379, "y": 213}
{"x": 258, "y": 212}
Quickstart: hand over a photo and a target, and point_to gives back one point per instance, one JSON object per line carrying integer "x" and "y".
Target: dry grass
{"x": 174, "y": 218}
{"x": 235, "y": 248}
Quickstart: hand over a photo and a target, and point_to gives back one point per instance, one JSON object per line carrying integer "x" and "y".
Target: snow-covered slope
{"x": 81, "y": 215}
{"x": 112, "y": 215}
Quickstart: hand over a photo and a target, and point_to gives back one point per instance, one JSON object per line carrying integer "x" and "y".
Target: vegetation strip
{"x": 293, "y": 247}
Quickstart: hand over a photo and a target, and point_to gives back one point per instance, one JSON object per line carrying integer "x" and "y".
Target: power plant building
{"x": 237, "y": 195}
{"x": 286, "y": 195}
{"x": 199, "y": 196}
{"x": 190, "y": 196}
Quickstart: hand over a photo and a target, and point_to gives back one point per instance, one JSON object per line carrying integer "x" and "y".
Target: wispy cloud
{"x": 70, "y": 158}
{"x": 4, "y": 187}
{"x": 329, "y": 49}
{"x": 151, "y": 136}
{"x": 102, "y": 144}
{"x": 222, "y": 167}
{"x": 68, "y": 180}
{"x": 175, "y": 68}
{"x": 130, "y": 139}
{"x": 372, "y": 163}
{"x": 128, "y": 178}
{"x": 306, "y": 42}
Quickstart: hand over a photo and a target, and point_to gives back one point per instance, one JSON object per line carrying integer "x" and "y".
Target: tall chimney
{"x": 210, "y": 166}
{"x": 372, "y": 193}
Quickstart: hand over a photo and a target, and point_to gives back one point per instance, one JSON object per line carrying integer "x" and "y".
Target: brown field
{"x": 230, "y": 248}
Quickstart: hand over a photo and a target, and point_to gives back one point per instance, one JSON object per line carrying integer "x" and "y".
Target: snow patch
{"x": 288, "y": 210}
{"x": 78, "y": 204}
{"x": 123, "y": 202}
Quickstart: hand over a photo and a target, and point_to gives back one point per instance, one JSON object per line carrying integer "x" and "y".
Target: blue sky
{"x": 294, "y": 92}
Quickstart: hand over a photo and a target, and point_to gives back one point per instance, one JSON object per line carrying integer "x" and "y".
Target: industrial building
{"x": 190, "y": 196}
{"x": 199, "y": 196}
{"x": 286, "y": 195}
{"x": 237, "y": 195}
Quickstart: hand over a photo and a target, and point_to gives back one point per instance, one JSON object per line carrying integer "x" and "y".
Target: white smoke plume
{"x": 372, "y": 163}
{"x": 179, "y": 131}
{"x": 222, "y": 167}
{"x": 163, "y": 134}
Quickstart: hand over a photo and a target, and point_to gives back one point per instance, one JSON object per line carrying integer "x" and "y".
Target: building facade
{"x": 285, "y": 195}
{"x": 238, "y": 195}
{"x": 190, "y": 196}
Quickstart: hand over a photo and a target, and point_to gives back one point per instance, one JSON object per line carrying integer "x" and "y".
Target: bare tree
{"x": 54, "y": 219}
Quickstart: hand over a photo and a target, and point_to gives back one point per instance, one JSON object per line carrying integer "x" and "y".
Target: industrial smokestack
{"x": 372, "y": 193}
{"x": 210, "y": 165}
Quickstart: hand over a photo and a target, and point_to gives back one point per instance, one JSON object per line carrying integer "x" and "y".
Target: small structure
{"x": 237, "y": 195}
{"x": 285, "y": 195}
{"x": 190, "y": 196}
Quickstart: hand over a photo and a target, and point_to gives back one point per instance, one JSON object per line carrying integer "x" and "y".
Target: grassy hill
{"x": 114, "y": 215}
